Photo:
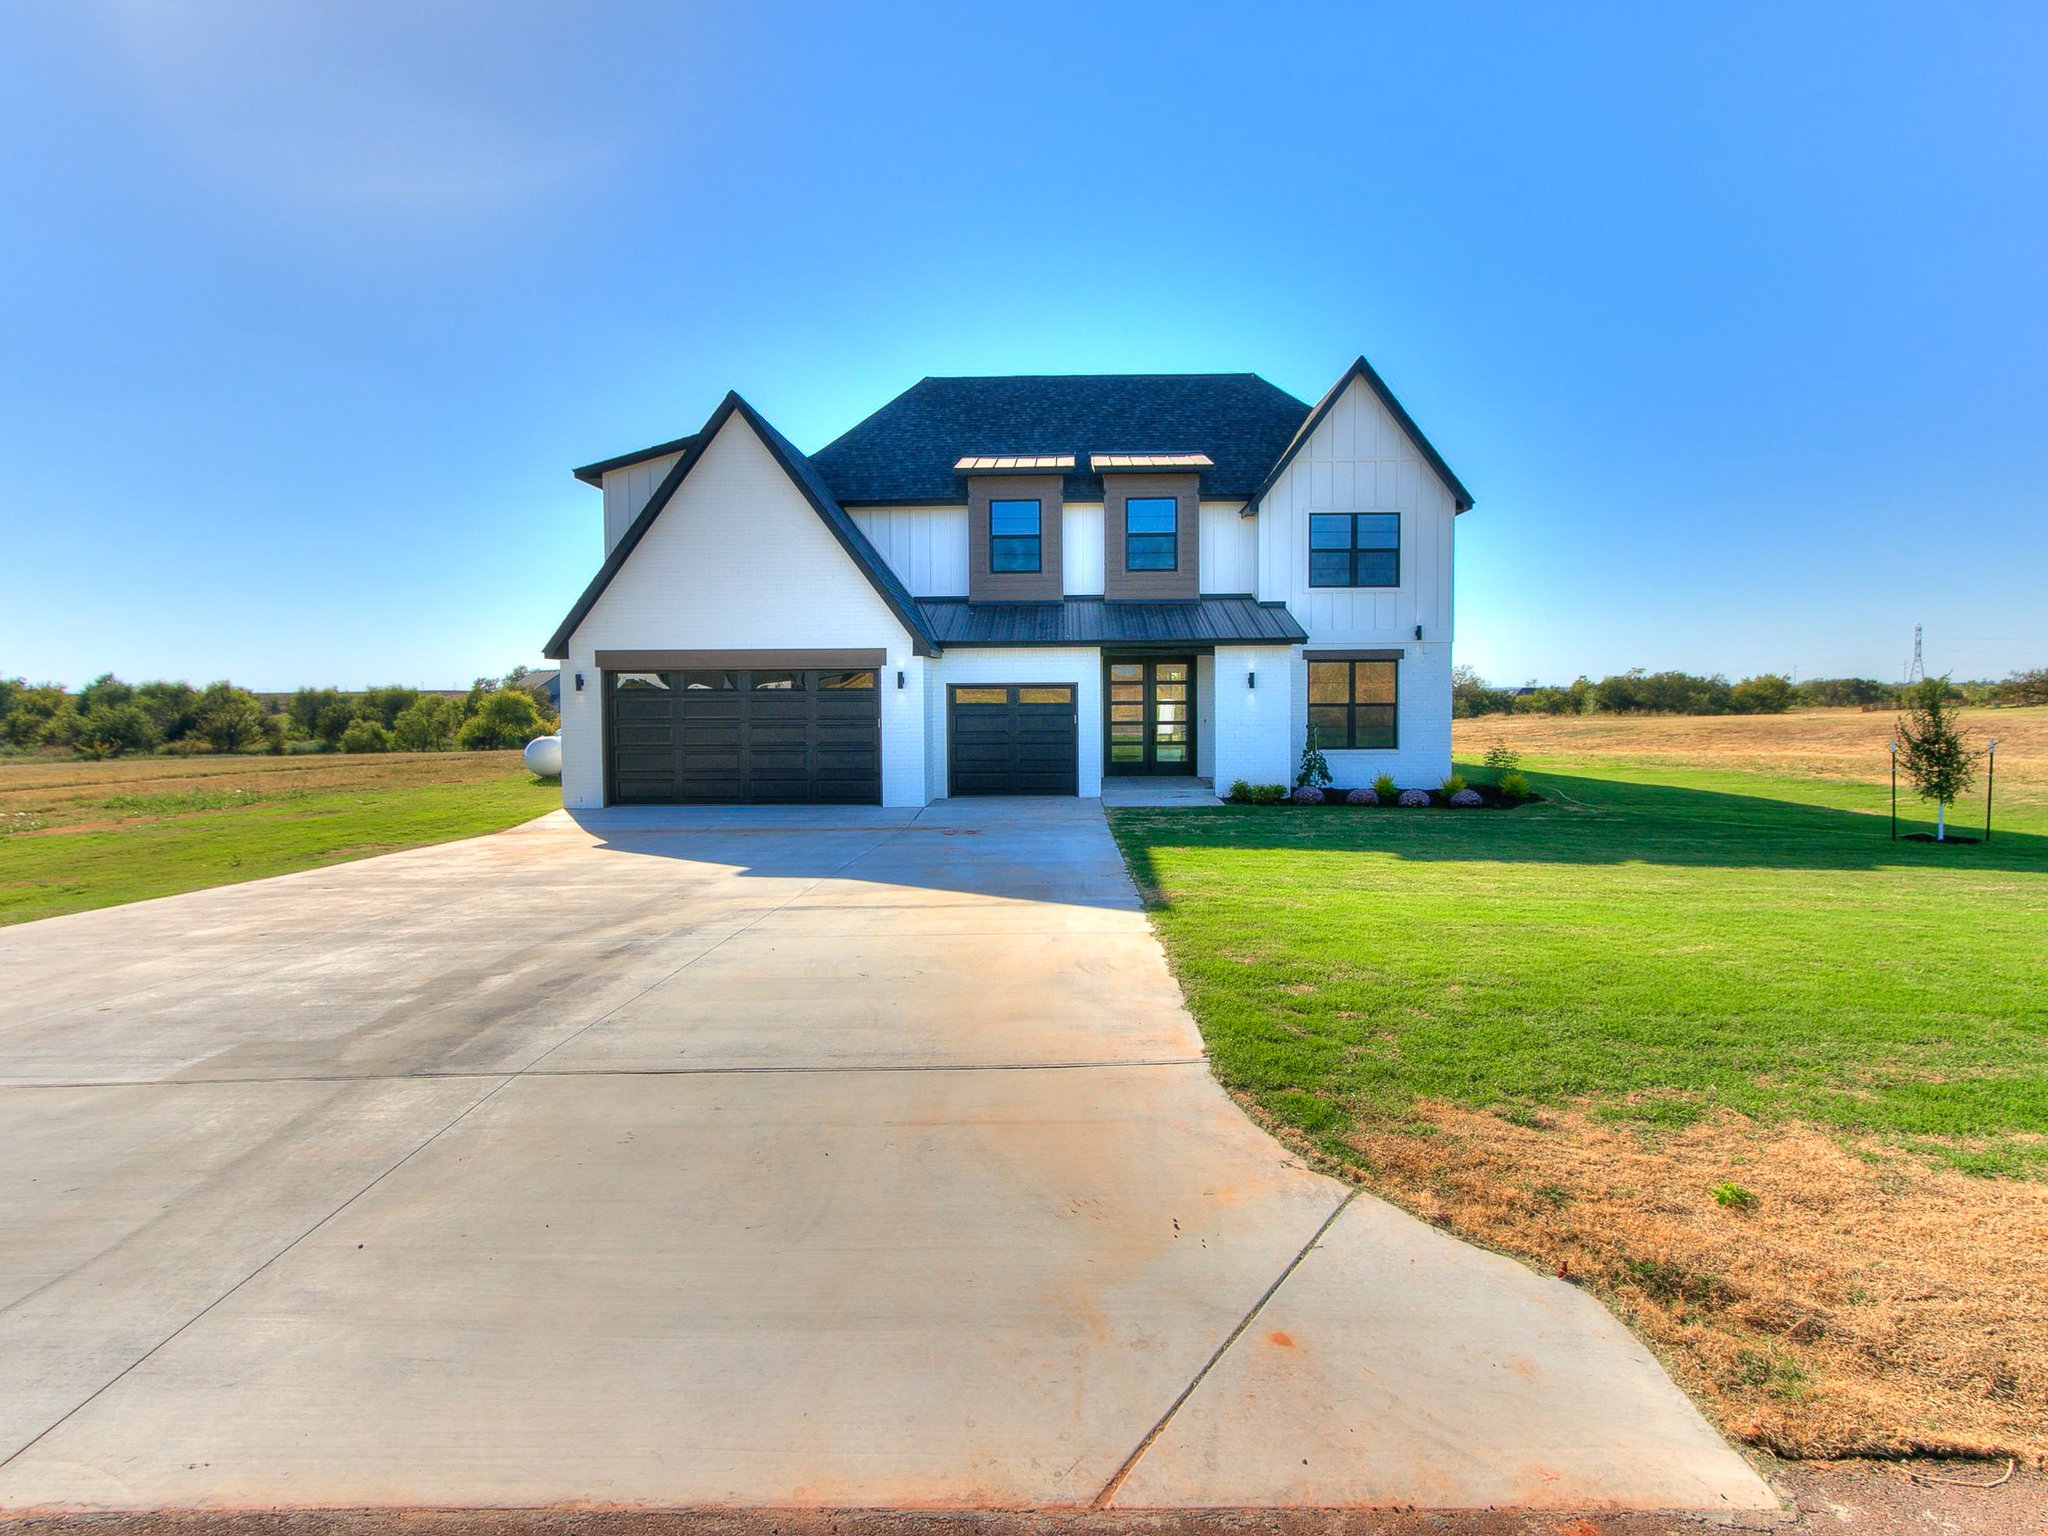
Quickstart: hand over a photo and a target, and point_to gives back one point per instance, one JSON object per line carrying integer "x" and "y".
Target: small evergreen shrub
{"x": 1514, "y": 784}
{"x": 1502, "y": 758}
{"x": 1268, "y": 794}
{"x": 1467, "y": 797}
{"x": 1362, "y": 797}
{"x": 1385, "y": 787}
{"x": 1314, "y": 771}
{"x": 1307, "y": 794}
{"x": 1455, "y": 784}
{"x": 1413, "y": 797}
{"x": 1241, "y": 791}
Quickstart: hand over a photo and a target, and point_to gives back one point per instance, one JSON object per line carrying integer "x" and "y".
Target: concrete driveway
{"x": 693, "y": 1158}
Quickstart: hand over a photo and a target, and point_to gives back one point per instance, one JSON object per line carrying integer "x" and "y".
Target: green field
{"x": 75, "y": 836}
{"x": 1654, "y": 942}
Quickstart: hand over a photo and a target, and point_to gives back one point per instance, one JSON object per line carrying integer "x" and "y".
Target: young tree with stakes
{"x": 1941, "y": 764}
{"x": 1314, "y": 771}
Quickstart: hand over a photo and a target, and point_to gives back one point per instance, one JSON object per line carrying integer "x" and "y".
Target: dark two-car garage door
{"x": 1014, "y": 739}
{"x": 734, "y": 735}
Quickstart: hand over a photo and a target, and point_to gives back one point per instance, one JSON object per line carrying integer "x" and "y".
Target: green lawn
{"x": 1651, "y": 942}
{"x": 97, "y": 835}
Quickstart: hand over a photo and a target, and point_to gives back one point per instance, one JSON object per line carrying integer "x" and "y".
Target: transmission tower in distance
{"x": 1914, "y": 670}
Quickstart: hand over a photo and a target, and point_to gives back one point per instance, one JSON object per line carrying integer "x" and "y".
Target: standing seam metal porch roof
{"x": 1092, "y": 621}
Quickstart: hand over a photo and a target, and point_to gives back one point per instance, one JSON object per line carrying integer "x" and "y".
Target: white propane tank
{"x": 544, "y": 756}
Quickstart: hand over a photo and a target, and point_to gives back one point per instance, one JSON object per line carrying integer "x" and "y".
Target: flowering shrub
{"x": 1413, "y": 797}
{"x": 1467, "y": 797}
{"x": 1308, "y": 794}
{"x": 1361, "y": 797}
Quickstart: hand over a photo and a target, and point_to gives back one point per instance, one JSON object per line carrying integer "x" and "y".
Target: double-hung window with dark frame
{"x": 1014, "y": 542}
{"x": 1152, "y": 533}
{"x": 1355, "y": 704}
{"x": 1354, "y": 549}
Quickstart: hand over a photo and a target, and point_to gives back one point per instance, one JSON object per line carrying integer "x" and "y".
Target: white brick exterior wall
{"x": 1251, "y": 723}
{"x": 739, "y": 561}
{"x": 1422, "y": 724}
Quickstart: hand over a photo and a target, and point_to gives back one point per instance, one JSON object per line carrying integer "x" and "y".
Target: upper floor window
{"x": 1013, "y": 536}
{"x": 1354, "y": 549}
{"x": 1152, "y": 533}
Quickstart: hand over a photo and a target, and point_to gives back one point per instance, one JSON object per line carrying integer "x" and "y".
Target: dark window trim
{"x": 1351, "y": 706}
{"x": 1354, "y": 550}
{"x": 1172, "y": 534}
{"x": 1035, "y": 540}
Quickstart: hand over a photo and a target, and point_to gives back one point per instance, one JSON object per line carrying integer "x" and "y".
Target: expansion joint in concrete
{"x": 1116, "y": 1481}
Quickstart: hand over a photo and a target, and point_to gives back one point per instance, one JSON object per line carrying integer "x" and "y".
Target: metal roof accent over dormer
{"x": 1141, "y": 463}
{"x": 1015, "y": 464}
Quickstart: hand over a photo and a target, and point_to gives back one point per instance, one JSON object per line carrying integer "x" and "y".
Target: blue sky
{"x": 1733, "y": 317}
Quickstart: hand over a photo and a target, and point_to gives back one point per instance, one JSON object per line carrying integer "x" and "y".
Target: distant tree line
{"x": 1638, "y": 692}
{"x": 111, "y": 718}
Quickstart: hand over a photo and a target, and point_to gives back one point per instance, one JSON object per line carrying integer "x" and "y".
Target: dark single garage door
{"x": 720, "y": 737}
{"x": 1020, "y": 739}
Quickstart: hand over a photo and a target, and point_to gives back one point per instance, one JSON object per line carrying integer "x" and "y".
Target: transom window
{"x": 1354, "y": 549}
{"x": 1013, "y": 536}
{"x": 1354, "y": 703}
{"x": 1152, "y": 533}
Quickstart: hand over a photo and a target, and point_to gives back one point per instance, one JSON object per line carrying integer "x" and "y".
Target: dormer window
{"x": 1015, "y": 543}
{"x": 1151, "y": 533}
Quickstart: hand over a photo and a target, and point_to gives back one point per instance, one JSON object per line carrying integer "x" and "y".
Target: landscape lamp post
{"x": 1895, "y": 789}
{"x": 1990, "y": 778}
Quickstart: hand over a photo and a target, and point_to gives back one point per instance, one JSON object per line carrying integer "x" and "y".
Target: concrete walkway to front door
{"x": 679, "y": 1158}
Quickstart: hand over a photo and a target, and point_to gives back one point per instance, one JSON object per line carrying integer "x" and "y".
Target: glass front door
{"x": 1151, "y": 716}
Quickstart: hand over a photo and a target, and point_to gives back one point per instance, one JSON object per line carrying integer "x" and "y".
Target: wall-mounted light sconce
{"x": 1418, "y": 631}
{"x": 1251, "y": 679}
{"x": 579, "y": 682}
{"x": 899, "y": 679}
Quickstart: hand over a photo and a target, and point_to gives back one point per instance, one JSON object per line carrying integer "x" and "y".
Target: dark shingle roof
{"x": 1091, "y": 621}
{"x": 905, "y": 452}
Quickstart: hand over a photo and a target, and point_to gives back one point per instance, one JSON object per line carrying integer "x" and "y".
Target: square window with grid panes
{"x": 1354, "y": 549}
{"x": 1354, "y": 704}
{"x": 1152, "y": 533}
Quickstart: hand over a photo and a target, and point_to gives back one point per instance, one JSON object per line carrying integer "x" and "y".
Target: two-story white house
{"x": 1018, "y": 586}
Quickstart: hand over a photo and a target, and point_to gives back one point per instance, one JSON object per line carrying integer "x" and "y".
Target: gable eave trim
{"x": 863, "y": 554}
{"x": 1460, "y": 497}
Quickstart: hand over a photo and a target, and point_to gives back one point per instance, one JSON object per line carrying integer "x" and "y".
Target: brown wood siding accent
{"x": 1185, "y": 580}
{"x": 1044, "y": 585}
{"x": 1354, "y": 655}
{"x": 763, "y": 661}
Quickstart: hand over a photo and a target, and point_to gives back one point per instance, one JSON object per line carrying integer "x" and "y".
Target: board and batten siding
{"x": 1081, "y": 549}
{"x": 626, "y": 492}
{"x": 1230, "y": 548}
{"x": 1359, "y": 460}
{"x": 696, "y": 581}
{"x": 925, "y": 546}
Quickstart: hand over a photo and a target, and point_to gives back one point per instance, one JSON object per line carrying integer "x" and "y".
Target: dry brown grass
{"x": 62, "y": 792}
{"x": 1813, "y": 743}
{"x": 1866, "y": 1303}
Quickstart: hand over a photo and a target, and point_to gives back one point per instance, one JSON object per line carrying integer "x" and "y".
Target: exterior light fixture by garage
{"x": 899, "y": 679}
{"x": 1251, "y": 679}
{"x": 1418, "y": 631}
{"x": 579, "y": 682}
